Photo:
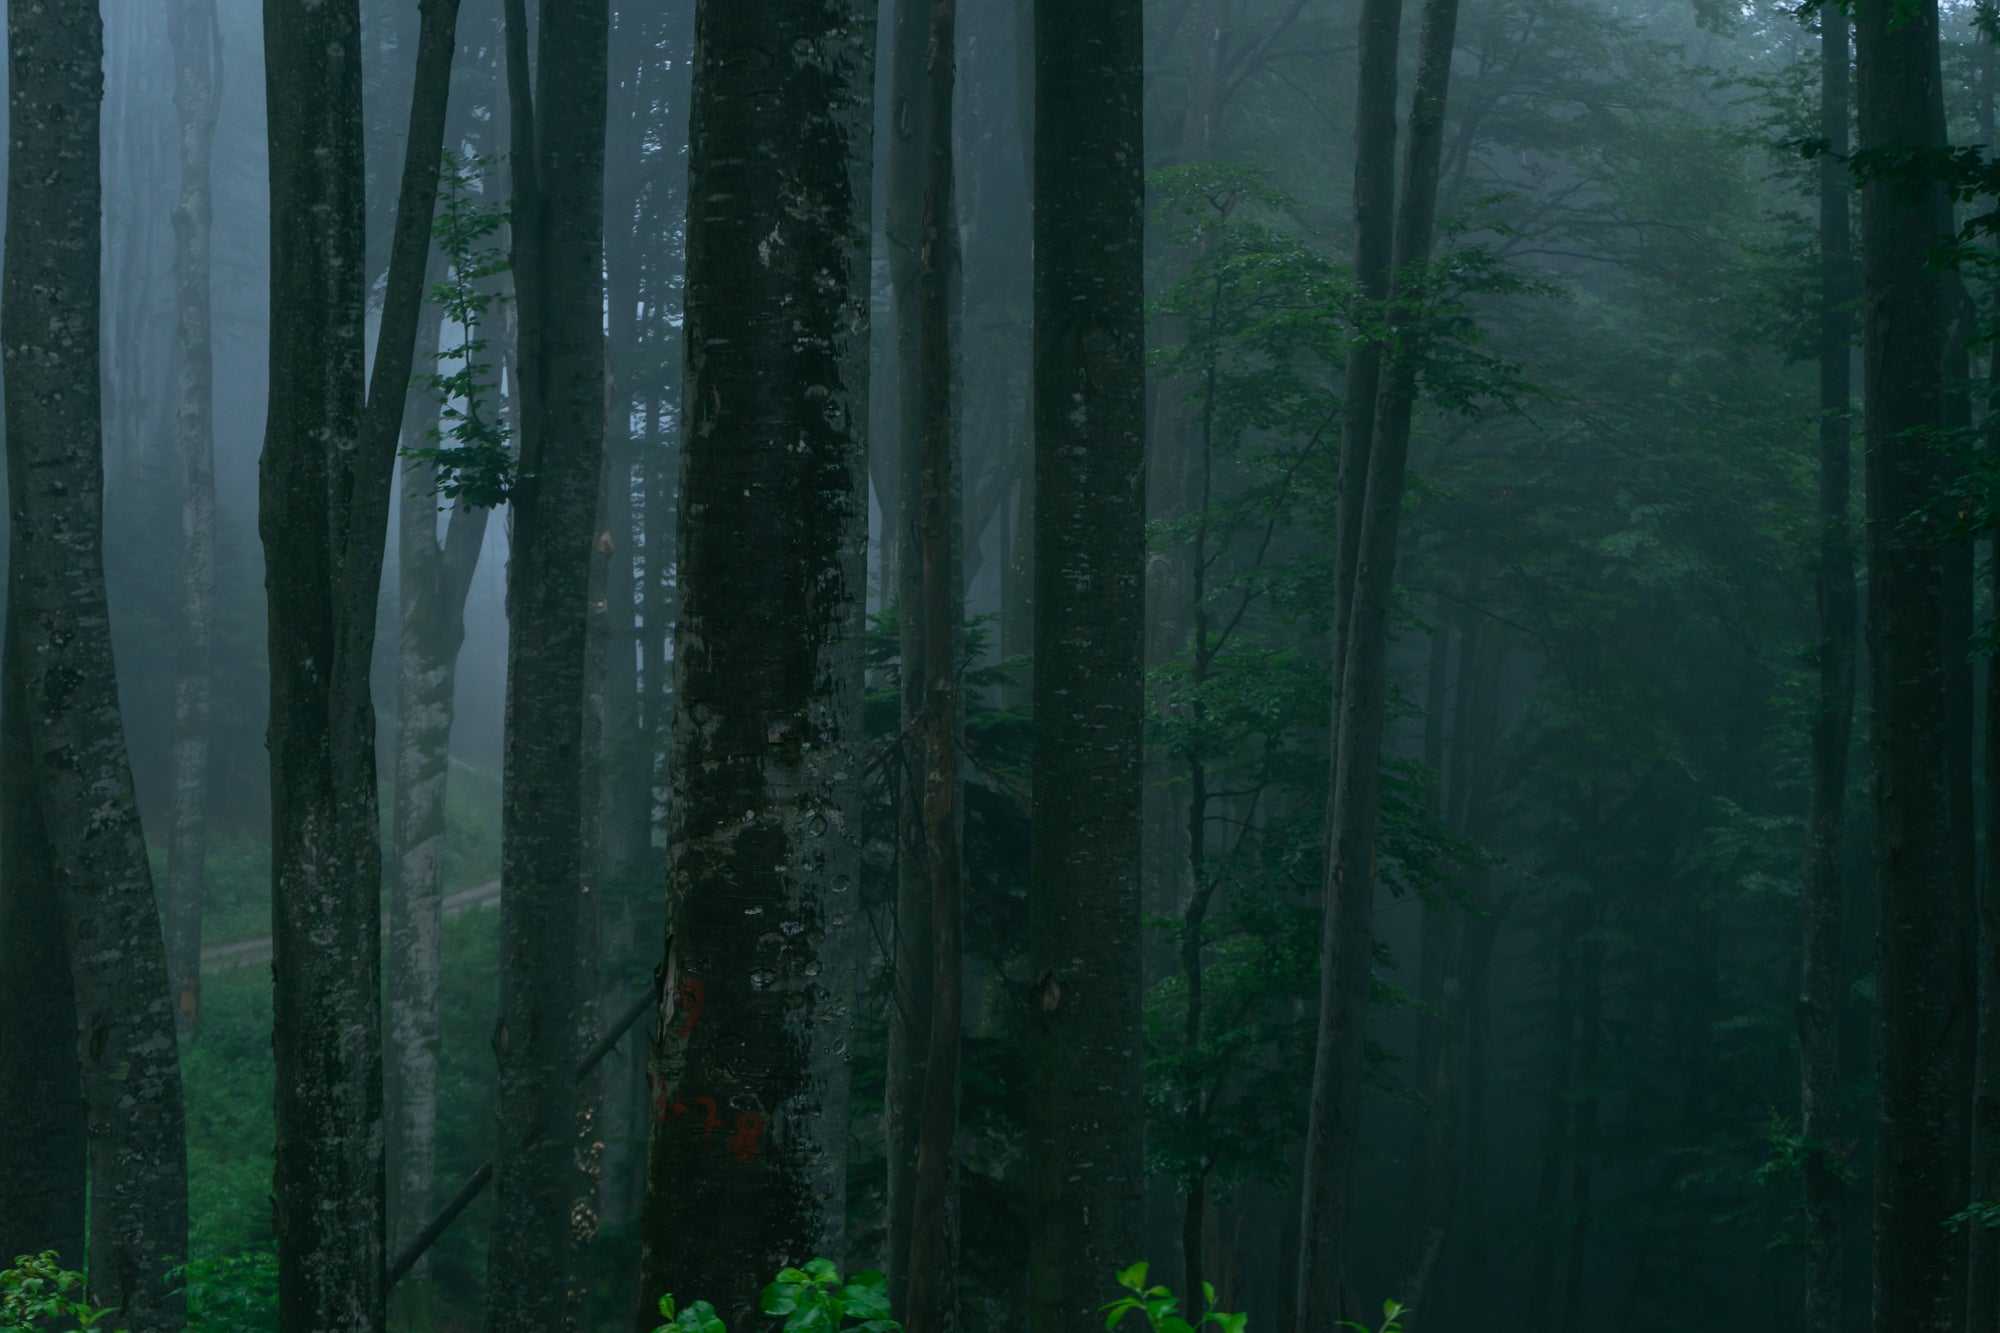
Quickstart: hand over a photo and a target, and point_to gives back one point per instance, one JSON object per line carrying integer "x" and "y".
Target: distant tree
{"x": 1917, "y": 1150}
{"x": 197, "y": 45}
{"x": 748, "y": 1069}
{"x": 325, "y": 476}
{"x": 63, "y": 693}
{"x": 1372, "y": 482}
{"x": 1085, "y": 1164}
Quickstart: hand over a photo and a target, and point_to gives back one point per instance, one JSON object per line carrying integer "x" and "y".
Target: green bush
{"x": 39, "y": 1293}
{"x": 813, "y": 1299}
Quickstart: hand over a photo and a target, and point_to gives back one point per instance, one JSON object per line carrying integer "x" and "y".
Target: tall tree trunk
{"x": 1822, "y": 893}
{"x": 557, "y": 135}
{"x": 1368, "y": 526}
{"x": 65, "y": 695}
{"x": 1915, "y": 1256}
{"x": 42, "y": 1154}
{"x": 1086, "y": 1168}
{"x": 931, "y": 1303}
{"x": 910, "y": 1019}
{"x": 1583, "y": 1118}
{"x": 748, "y": 1067}
{"x": 328, "y": 463}
{"x": 197, "y": 42}
{"x": 434, "y": 580}
{"x": 1983, "y": 1260}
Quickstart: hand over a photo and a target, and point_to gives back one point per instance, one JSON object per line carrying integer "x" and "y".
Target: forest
{"x": 1193, "y": 666}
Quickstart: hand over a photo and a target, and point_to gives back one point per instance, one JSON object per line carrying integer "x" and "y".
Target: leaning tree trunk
{"x": 323, "y": 506}
{"x": 65, "y": 697}
{"x": 197, "y": 45}
{"x": 1085, "y": 1167}
{"x": 749, "y": 1063}
{"x": 557, "y": 131}
{"x": 1915, "y": 1252}
{"x": 1822, "y": 893}
{"x": 1360, "y": 664}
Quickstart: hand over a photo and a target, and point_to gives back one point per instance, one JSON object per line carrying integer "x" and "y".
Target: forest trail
{"x": 247, "y": 953}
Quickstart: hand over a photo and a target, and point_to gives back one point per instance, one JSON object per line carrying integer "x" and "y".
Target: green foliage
{"x": 236, "y": 1294}
{"x": 469, "y": 445}
{"x": 1160, "y": 1308}
{"x": 39, "y": 1293}
{"x": 813, "y": 1299}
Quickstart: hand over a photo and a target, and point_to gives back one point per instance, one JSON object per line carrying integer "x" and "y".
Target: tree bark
{"x": 197, "y": 43}
{"x": 325, "y": 474}
{"x": 1915, "y": 1262}
{"x": 1823, "y": 891}
{"x": 66, "y": 691}
{"x": 557, "y": 134}
{"x": 748, "y": 1067}
{"x": 1371, "y": 506}
{"x": 931, "y": 1302}
{"x": 1086, "y": 1172}
{"x": 42, "y": 1154}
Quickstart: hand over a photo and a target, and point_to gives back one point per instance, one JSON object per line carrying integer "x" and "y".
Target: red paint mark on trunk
{"x": 743, "y": 1144}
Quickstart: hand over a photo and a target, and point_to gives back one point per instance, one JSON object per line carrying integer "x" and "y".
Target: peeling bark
{"x": 197, "y": 42}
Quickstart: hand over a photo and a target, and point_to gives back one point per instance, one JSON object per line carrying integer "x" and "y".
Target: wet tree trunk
{"x": 42, "y": 1154}
{"x": 1369, "y": 519}
{"x": 1086, "y": 1172}
{"x": 749, "y": 1062}
{"x": 197, "y": 43}
{"x": 1915, "y": 1256}
{"x": 557, "y": 135}
{"x": 1822, "y": 892}
{"x": 931, "y": 1302}
{"x": 325, "y": 476}
{"x": 65, "y": 695}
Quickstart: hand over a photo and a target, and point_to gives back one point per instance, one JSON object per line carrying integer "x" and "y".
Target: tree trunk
{"x": 931, "y": 1303}
{"x": 749, "y": 1061}
{"x": 1086, "y": 1168}
{"x": 557, "y": 136}
{"x": 1915, "y": 1255}
{"x": 325, "y": 474}
{"x": 197, "y": 45}
{"x": 1822, "y": 892}
{"x": 42, "y": 1154}
{"x": 1367, "y": 545}
{"x": 904, "y": 221}
{"x": 435, "y": 579}
{"x": 66, "y": 692}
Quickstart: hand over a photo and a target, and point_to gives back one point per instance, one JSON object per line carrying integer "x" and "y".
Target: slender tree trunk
{"x": 435, "y": 578}
{"x": 748, "y": 1067}
{"x": 42, "y": 1154}
{"x": 1983, "y": 1260}
{"x": 931, "y": 1304}
{"x": 1822, "y": 893}
{"x": 1085, "y": 1163}
{"x": 1583, "y": 1122}
{"x": 1917, "y": 1153}
{"x": 197, "y": 45}
{"x": 904, "y": 235}
{"x": 1368, "y": 533}
{"x": 325, "y": 474}
{"x": 65, "y": 695}
{"x": 557, "y": 134}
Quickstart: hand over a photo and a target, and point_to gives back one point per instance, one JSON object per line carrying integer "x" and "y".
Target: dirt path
{"x": 248, "y": 953}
